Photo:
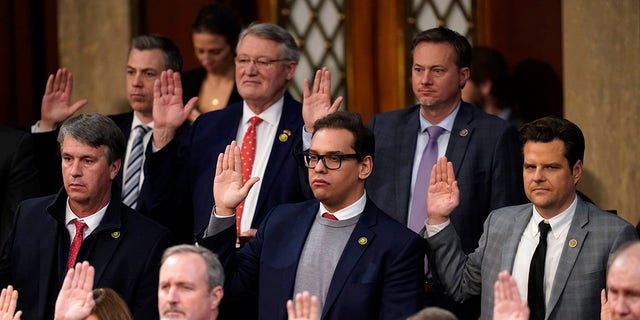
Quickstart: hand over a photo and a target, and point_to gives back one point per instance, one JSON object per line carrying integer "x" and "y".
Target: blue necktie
{"x": 131, "y": 188}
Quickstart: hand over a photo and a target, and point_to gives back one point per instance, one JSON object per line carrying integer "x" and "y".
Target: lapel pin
{"x": 362, "y": 241}
{"x": 284, "y": 136}
{"x": 115, "y": 234}
{"x": 573, "y": 243}
{"x": 463, "y": 132}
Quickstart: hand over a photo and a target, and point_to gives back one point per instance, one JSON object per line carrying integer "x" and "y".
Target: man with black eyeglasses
{"x": 359, "y": 262}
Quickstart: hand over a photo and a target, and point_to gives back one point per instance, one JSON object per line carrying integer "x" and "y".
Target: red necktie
{"x": 76, "y": 243}
{"x": 247, "y": 154}
{"x": 329, "y": 216}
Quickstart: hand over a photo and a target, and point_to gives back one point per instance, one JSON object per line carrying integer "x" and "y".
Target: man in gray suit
{"x": 576, "y": 250}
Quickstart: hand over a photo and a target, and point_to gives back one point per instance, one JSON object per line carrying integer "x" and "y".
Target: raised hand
{"x": 305, "y": 308}
{"x": 317, "y": 103}
{"x": 507, "y": 304}
{"x": 75, "y": 300}
{"x": 605, "y": 307}
{"x": 56, "y": 106}
{"x": 8, "y": 302}
{"x": 228, "y": 190}
{"x": 168, "y": 111}
{"x": 443, "y": 195}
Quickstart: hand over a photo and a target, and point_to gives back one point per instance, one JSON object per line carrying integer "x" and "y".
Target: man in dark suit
{"x": 266, "y": 60}
{"x": 358, "y": 261}
{"x": 557, "y": 247}
{"x": 18, "y": 175}
{"x": 86, "y": 220}
{"x": 483, "y": 148}
{"x": 149, "y": 55}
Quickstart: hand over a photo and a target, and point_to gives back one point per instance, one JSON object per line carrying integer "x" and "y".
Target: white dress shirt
{"x": 92, "y": 221}
{"x": 265, "y": 135}
{"x": 125, "y": 165}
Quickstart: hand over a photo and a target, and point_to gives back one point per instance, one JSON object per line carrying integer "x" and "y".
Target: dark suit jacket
{"x": 192, "y": 81}
{"x": 18, "y": 175}
{"x": 486, "y": 159}
{"x": 180, "y": 223}
{"x": 125, "y": 250}
{"x": 284, "y": 181}
{"x": 582, "y": 270}
{"x": 381, "y": 279}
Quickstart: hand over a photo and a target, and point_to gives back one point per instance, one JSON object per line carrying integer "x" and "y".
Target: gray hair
{"x": 95, "y": 130}
{"x": 215, "y": 272}
{"x": 170, "y": 52}
{"x": 433, "y": 313}
{"x": 270, "y": 31}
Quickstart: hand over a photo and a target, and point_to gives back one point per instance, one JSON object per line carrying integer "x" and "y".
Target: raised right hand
{"x": 228, "y": 190}
{"x": 56, "y": 106}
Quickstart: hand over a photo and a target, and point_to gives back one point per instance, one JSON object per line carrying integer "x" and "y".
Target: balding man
{"x": 623, "y": 284}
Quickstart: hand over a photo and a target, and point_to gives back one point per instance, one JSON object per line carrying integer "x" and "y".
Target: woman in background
{"x": 215, "y": 35}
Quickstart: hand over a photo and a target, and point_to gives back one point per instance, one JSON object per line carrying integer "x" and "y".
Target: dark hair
{"x": 489, "y": 64}
{"x": 443, "y": 35}
{"x": 363, "y": 140}
{"x": 215, "y": 273}
{"x": 95, "y": 130}
{"x": 170, "y": 52}
{"x": 550, "y": 128}
{"x": 270, "y": 31}
{"x": 218, "y": 19}
{"x": 109, "y": 305}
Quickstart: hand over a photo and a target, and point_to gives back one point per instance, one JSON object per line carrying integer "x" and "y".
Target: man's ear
{"x": 577, "y": 171}
{"x": 114, "y": 168}
{"x": 366, "y": 166}
{"x": 216, "y": 296}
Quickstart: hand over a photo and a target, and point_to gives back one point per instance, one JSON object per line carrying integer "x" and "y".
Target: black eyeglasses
{"x": 330, "y": 161}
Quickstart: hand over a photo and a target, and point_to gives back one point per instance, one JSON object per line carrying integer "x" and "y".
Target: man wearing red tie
{"x": 85, "y": 221}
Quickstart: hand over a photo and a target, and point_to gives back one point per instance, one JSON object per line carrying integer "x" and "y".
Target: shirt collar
{"x": 136, "y": 122}
{"x": 349, "y": 212}
{"x": 446, "y": 123}
{"x": 559, "y": 223}
{"x": 271, "y": 115}
{"x": 92, "y": 221}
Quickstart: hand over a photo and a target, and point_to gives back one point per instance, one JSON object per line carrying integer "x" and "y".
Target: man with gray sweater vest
{"x": 361, "y": 263}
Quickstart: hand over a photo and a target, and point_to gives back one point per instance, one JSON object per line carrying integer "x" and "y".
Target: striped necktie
{"x": 131, "y": 188}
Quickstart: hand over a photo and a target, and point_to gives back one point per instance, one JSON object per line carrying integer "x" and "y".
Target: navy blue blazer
{"x": 381, "y": 278}
{"x": 486, "y": 158}
{"x": 285, "y": 178}
{"x": 125, "y": 250}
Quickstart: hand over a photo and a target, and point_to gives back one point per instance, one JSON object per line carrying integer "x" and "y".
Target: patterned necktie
{"x": 535, "y": 295}
{"x": 247, "y": 154}
{"x": 76, "y": 242}
{"x": 418, "y": 213}
{"x": 131, "y": 188}
{"x": 329, "y": 216}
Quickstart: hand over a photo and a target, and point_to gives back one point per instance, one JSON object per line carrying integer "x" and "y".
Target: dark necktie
{"x": 76, "y": 242}
{"x": 247, "y": 155}
{"x": 418, "y": 213}
{"x": 536, "y": 296}
{"x": 131, "y": 188}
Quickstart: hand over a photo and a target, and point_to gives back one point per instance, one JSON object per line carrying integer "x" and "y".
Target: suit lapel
{"x": 405, "y": 143}
{"x": 103, "y": 242}
{"x": 351, "y": 254}
{"x": 510, "y": 248}
{"x": 460, "y": 136}
{"x": 281, "y": 150}
{"x": 297, "y": 237}
{"x": 569, "y": 255}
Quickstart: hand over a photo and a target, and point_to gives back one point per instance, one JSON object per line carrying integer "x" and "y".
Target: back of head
{"x": 218, "y": 19}
{"x": 433, "y": 313}
{"x": 488, "y": 64}
{"x": 460, "y": 44}
{"x": 170, "y": 52}
{"x": 363, "y": 139}
{"x": 215, "y": 272}
{"x": 548, "y": 129}
{"x": 270, "y": 31}
{"x": 95, "y": 130}
{"x": 109, "y": 305}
